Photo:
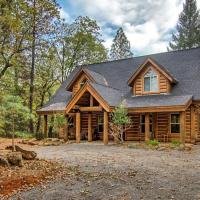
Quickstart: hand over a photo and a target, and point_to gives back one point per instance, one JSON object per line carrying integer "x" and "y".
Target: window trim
{"x": 150, "y": 123}
{"x": 158, "y": 80}
{"x": 175, "y": 123}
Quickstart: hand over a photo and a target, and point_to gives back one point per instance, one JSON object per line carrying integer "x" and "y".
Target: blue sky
{"x": 147, "y": 23}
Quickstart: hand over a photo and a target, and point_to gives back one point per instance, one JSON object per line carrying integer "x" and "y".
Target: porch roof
{"x": 157, "y": 101}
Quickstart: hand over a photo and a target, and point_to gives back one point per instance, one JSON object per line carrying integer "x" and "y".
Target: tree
{"x": 80, "y": 43}
{"x": 188, "y": 28}
{"x": 120, "y": 122}
{"x": 43, "y": 16}
{"x": 13, "y": 112}
{"x": 121, "y": 46}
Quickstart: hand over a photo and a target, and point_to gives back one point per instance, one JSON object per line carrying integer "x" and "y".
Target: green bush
{"x": 24, "y": 135}
{"x": 153, "y": 142}
{"x": 175, "y": 143}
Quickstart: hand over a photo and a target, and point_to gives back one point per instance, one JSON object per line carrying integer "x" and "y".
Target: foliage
{"x": 59, "y": 121}
{"x": 188, "y": 28}
{"x": 176, "y": 143}
{"x": 23, "y": 134}
{"x": 79, "y": 44}
{"x": 120, "y": 122}
{"x": 14, "y": 114}
{"x": 121, "y": 46}
{"x": 153, "y": 142}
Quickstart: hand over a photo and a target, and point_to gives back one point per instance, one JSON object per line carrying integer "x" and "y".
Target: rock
{"x": 15, "y": 158}
{"x": 3, "y": 162}
{"x": 161, "y": 149}
{"x": 27, "y": 155}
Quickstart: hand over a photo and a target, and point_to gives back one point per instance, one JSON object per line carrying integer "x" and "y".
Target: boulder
{"x": 15, "y": 158}
{"x": 3, "y": 162}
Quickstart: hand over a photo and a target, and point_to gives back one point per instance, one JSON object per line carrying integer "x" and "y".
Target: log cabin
{"x": 161, "y": 92}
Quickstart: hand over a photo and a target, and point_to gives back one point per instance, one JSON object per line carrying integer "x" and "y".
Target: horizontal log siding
{"x": 133, "y": 133}
{"x": 163, "y": 126}
{"x": 164, "y": 84}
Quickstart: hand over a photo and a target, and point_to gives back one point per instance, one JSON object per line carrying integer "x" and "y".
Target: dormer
{"x": 151, "y": 78}
{"x": 81, "y": 77}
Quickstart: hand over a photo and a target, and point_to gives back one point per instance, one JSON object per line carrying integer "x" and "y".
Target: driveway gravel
{"x": 121, "y": 173}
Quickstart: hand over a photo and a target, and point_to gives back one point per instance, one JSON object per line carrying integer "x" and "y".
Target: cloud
{"x": 64, "y": 15}
{"x": 147, "y": 23}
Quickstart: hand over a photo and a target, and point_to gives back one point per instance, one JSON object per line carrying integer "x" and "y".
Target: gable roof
{"x": 110, "y": 78}
{"x": 157, "y": 66}
{"x": 91, "y": 75}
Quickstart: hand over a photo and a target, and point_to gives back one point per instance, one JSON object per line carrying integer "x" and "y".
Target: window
{"x": 151, "y": 81}
{"x": 175, "y": 123}
{"x": 142, "y": 122}
{"x": 82, "y": 83}
{"x": 100, "y": 124}
{"x": 71, "y": 122}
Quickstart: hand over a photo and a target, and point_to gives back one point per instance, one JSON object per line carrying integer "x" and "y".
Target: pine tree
{"x": 188, "y": 28}
{"x": 121, "y": 46}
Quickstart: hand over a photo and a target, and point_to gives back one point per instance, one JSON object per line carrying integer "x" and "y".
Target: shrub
{"x": 153, "y": 142}
{"x": 175, "y": 142}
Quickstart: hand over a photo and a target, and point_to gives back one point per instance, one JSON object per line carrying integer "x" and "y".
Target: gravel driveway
{"x": 111, "y": 172}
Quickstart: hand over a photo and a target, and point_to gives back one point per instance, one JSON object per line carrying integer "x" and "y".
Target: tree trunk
{"x": 32, "y": 74}
{"x": 39, "y": 117}
{"x": 3, "y": 71}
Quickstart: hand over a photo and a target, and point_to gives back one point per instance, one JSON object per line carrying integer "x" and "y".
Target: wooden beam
{"x": 105, "y": 128}
{"x": 78, "y": 127}
{"x": 89, "y": 127}
{"x": 91, "y": 100}
{"x": 90, "y": 109}
{"x": 182, "y": 127}
{"x": 193, "y": 131}
{"x": 45, "y": 126}
{"x": 147, "y": 127}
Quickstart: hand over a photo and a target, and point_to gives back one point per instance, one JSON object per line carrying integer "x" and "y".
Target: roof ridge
{"x": 147, "y": 55}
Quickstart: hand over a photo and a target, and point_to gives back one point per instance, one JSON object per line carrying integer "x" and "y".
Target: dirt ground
{"x": 121, "y": 173}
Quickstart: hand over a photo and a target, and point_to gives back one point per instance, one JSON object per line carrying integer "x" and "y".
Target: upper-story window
{"x": 151, "y": 81}
{"x": 82, "y": 82}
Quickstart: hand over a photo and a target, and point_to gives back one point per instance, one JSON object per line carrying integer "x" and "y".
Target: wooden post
{"x": 105, "y": 128}
{"x": 91, "y": 100}
{"x": 78, "y": 127}
{"x": 147, "y": 127}
{"x": 45, "y": 126}
{"x": 89, "y": 127}
{"x": 193, "y": 131}
{"x": 182, "y": 127}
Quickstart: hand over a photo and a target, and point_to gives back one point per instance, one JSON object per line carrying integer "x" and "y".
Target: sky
{"x": 148, "y": 24}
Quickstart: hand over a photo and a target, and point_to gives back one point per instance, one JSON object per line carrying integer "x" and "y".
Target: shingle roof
{"x": 184, "y": 65}
{"x": 111, "y": 95}
{"x": 156, "y": 101}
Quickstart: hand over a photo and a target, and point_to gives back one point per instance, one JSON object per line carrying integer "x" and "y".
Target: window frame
{"x": 150, "y": 82}
{"x": 177, "y": 113}
{"x": 99, "y": 123}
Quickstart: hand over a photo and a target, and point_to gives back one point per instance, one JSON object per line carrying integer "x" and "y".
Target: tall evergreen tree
{"x": 121, "y": 46}
{"x": 188, "y": 28}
